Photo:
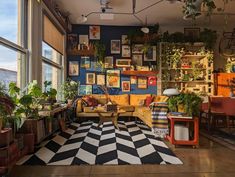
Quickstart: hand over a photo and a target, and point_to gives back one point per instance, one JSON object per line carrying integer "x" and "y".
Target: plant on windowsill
{"x": 70, "y": 90}
{"x": 49, "y": 95}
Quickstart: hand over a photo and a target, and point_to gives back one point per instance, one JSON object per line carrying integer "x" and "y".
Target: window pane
{"x": 51, "y": 54}
{"x": 12, "y": 66}
{"x": 9, "y": 26}
{"x": 53, "y": 74}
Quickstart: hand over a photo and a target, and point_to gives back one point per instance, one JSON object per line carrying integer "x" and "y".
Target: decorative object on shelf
{"x": 83, "y": 40}
{"x": 192, "y": 34}
{"x": 137, "y": 49}
{"x": 125, "y": 40}
{"x": 208, "y": 37}
{"x": 175, "y": 57}
{"x": 85, "y": 89}
{"x": 152, "y": 81}
{"x": 142, "y": 68}
{"x": 72, "y": 42}
{"x": 108, "y": 62}
{"x": 70, "y": 89}
{"x": 94, "y": 32}
{"x": 133, "y": 79}
{"x": 185, "y": 63}
{"x": 90, "y": 78}
{"x": 115, "y": 47}
{"x": 113, "y": 78}
{"x": 150, "y": 54}
{"x": 126, "y": 86}
{"x": 73, "y": 68}
{"x": 123, "y": 62}
{"x": 100, "y": 79}
{"x": 85, "y": 62}
{"x": 142, "y": 83}
{"x": 126, "y": 51}
{"x": 137, "y": 59}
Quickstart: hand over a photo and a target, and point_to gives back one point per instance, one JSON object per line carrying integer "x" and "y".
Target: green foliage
{"x": 49, "y": 93}
{"x": 209, "y": 37}
{"x": 70, "y": 89}
{"x": 99, "y": 51}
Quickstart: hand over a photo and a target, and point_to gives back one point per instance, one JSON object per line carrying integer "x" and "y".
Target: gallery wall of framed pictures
{"x": 120, "y": 55}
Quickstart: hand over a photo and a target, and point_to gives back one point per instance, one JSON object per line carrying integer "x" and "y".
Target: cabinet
{"x": 192, "y": 72}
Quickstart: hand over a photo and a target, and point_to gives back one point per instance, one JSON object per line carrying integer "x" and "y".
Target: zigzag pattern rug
{"x": 86, "y": 143}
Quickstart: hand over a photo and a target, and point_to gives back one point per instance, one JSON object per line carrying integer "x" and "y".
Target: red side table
{"x": 171, "y": 136}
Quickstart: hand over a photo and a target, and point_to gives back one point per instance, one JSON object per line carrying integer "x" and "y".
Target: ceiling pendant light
{"x": 145, "y": 28}
{"x": 84, "y": 19}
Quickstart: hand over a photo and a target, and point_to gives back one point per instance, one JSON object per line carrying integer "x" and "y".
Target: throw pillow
{"x": 148, "y": 100}
{"x": 90, "y": 101}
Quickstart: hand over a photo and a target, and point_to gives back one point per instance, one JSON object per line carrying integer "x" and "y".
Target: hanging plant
{"x": 99, "y": 51}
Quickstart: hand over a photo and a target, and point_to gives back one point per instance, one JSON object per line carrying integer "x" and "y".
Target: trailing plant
{"x": 208, "y": 37}
{"x": 176, "y": 56}
{"x": 70, "y": 89}
{"x": 99, "y": 51}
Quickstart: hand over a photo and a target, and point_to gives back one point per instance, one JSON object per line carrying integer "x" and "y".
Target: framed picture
{"x": 137, "y": 48}
{"x": 126, "y": 51}
{"x": 125, "y": 40}
{"x": 142, "y": 83}
{"x": 115, "y": 47}
{"x": 73, "y": 68}
{"x": 100, "y": 79}
{"x": 133, "y": 79}
{"x": 83, "y": 39}
{"x": 85, "y": 89}
{"x": 137, "y": 59}
{"x": 94, "y": 32}
{"x": 192, "y": 34}
{"x": 85, "y": 62}
{"x": 72, "y": 41}
{"x": 152, "y": 81}
{"x": 90, "y": 78}
{"x": 113, "y": 78}
{"x": 123, "y": 63}
{"x": 151, "y": 54}
{"x": 108, "y": 62}
{"x": 126, "y": 86}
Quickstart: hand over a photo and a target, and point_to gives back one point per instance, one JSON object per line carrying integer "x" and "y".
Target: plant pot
{"x": 29, "y": 142}
{"x": 70, "y": 102}
{"x": 181, "y": 108}
{"x": 6, "y": 137}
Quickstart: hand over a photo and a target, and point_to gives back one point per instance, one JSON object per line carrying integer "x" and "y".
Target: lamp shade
{"x": 145, "y": 30}
{"x": 171, "y": 92}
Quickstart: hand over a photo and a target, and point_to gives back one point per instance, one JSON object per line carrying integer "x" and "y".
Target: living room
{"x": 117, "y": 88}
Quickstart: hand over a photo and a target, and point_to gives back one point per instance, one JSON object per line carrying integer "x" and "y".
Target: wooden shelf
{"x": 81, "y": 52}
{"x": 194, "y": 56}
{"x": 140, "y": 73}
{"x": 187, "y": 81}
{"x": 165, "y": 68}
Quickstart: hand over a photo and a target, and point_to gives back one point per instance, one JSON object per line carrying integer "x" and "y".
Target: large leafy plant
{"x": 49, "y": 93}
{"x": 70, "y": 89}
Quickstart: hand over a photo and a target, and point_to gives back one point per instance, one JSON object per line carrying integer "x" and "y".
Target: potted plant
{"x": 49, "y": 95}
{"x": 176, "y": 56}
{"x": 70, "y": 90}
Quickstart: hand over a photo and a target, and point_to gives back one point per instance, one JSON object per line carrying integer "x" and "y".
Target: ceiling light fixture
{"x": 84, "y": 19}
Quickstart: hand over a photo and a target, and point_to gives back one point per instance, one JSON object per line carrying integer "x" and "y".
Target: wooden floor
{"x": 210, "y": 160}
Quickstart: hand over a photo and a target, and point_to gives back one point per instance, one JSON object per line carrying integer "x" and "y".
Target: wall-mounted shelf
{"x": 165, "y": 68}
{"x": 81, "y": 52}
{"x": 194, "y": 56}
{"x": 140, "y": 73}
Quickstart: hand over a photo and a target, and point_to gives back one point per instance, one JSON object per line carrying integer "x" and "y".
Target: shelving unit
{"x": 140, "y": 73}
{"x": 181, "y": 77}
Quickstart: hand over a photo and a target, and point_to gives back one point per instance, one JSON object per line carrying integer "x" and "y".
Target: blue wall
{"x": 108, "y": 33}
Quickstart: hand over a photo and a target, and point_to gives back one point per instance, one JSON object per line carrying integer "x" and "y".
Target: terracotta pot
{"x": 70, "y": 102}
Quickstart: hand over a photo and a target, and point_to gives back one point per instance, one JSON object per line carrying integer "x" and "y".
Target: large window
{"x": 12, "y": 42}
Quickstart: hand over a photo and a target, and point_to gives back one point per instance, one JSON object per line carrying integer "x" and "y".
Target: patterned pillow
{"x": 148, "y": 100}
{"x": 90, "y": 101}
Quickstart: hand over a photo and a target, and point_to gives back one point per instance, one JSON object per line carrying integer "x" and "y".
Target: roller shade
{"x": 52, "y": 36}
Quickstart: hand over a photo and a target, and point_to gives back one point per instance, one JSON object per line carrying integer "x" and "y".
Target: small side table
{"x": 171, "y": 136}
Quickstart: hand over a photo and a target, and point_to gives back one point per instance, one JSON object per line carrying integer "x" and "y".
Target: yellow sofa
{"x": 133, "y": 104}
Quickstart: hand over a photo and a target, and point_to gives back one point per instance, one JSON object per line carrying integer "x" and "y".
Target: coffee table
{"x": 106, "y": 116}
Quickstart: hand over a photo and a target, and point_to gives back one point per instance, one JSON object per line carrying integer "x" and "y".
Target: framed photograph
{"x": 115, "y": 47}
{"x": 142, "y": 83}
{"x": 85, "y": 89}
{"x": 192, "y": 34}
{"x": 125, "y": 40}
{"x": 126, "y": 51}
{"x": 137, "y": 60}
{"x": 126, "y": 86}
{"x": 152, "y": 81}
{"x": 83, "y": 39}
{"x": 100, "y": 79}
{"x": 90, "y": 78}
{"x": 113, "y": 78}
{"x": 94, "y": 32}
{"x": 108, "y": 62}
{"x": 151, "y": 54}
{"x": 137, "y": 49}
{"x": 133, "y": 79}
{"x": 72, "y": 41}
{"x": 123, "y": 63}
{"x": 85, "y": 62}
{"x": 73, "y": 68}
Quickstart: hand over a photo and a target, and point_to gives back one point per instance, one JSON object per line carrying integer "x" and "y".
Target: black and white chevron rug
{"x": 86, "y": 143}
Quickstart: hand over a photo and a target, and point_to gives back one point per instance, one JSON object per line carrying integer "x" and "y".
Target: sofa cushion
{"x": 144, "y": 113}
{"x": 88, "y": 109}
{"x": 100, "y": 98}
{"x": 137, "y": 100}
{"x": 160, "y": 98}
{"x": 149, "y": 100}
{"x": 128, "y": 108}
{"x": 120, "y": 99}
{"x": 90, "y": 101}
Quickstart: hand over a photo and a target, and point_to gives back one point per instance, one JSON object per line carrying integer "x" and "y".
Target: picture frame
{"x": 72, "y": 42}
{"x": 90, "y": 78}
{"x": 85, "y": 62}
{"x": 152, "y": 81}
{"x": 73, "y": 68}
{"x": 126, "y": 51}
{"x": 85, "y": 90}
{"x": 123, "y": 63}
{"x": 94, "y": 32}
{"x": 108, "y": 62}
{"x": 113, "y": 78}
{"x": 115, "y": 47}
{"x": 192, "y": 34}
{"x": 84, "y": 40}
{"x": 137, "y": 60}
{"x": 151, "y": 54}
{"x": 100, "y": 79}
{"x": 126, "y": 86}
{"x": 142, "y": 83}
{"x": 137, "y": 49}
{"x": 133, "y": 79}
{"x": 125, "y": 40}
